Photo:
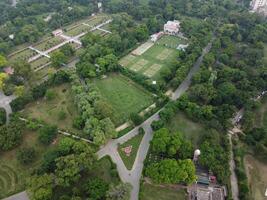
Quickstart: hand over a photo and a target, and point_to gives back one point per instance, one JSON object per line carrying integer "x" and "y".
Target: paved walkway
{"x": 133, "y": 176}
{"x": 19, "y": 196}
{"x": 4, "y": 103}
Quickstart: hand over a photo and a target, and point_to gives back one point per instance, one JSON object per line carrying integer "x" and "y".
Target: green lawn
{"x": 49, "y": 110}
{"x": 155, "y": 55}
{"x": 124, "y": 96}
{"x": 189, "y": 129}
{"x": 39, "y": 62}
{"x": 48, "y": 43}
{"x": 13, "y": 175}
{"x": 151, "y": 192}
{"x": 134, "y": 142}
{"x": 171, "y": 41}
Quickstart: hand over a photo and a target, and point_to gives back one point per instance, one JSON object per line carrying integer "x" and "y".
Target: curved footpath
{"x": 133, "y": 176}
{"x": 4, "y": 103}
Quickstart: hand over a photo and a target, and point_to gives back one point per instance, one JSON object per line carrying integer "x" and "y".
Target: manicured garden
{"x": 124, "y": 96}
{"x": 57, "y": 107}
{"x": 152, "y": 192}
{"x": 170, "y": 41}
{"x": 132, "y": 145}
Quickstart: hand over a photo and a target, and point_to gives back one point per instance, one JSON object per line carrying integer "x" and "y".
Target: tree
{"x": 3, "y": 61}
{"x": 22, "y": 69}
{"x": 2, "y": 116}
{"x": 3, "y": 77}
{"x": 136, "y": 119}
{"x": 119, "y": 192}
{"x": 96, "y": 189}
{"x": 40, "y": 187}
{"x": 26, "y": 155}
{"x": 58, "y": 59}
{"x": 67, "y": 50}
{"x": 171, "y": 171}
{"x": 19, "y": 90}
{"x": 11, "y": 134}
{"x": 47, "y": 134}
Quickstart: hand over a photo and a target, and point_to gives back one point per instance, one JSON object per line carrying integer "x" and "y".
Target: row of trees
{"x": 93, "y": 120}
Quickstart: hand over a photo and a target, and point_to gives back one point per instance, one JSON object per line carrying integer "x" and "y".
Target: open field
{"x": 189, "y": 129}
{"x": 50, "y": 111}
{"x": 149, "y": 58}
{"x": 257, "y": 177}
{"x": 170, "y": 41}
{"x": 152, "y": 192}
{"x": 13, "y": 175}
{"x": 124, "y": 96}
{"x": 134, "y": 144}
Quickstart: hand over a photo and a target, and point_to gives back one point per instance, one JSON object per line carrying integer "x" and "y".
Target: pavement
{"x": 4, "y": 103}
{"x": 19, "y": 196}
{"x": 133, "y": 176}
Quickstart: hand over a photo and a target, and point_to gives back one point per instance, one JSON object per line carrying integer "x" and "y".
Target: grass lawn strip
{"x": 143, "y": 48}
{"x": 126, "y": 60}
{"x": 170, "y": 41}
{"x": 124, "y": 96}
{"x": 152, "y": 192}
{"x": 39, "y": 62}
{"x": 151, "y": 71}
{"x": 139, "y": 65}
{"x": 23, "y": 55}
{"x": 134, "y": 144}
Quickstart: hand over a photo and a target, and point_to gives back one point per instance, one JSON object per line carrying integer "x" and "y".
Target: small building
{"x": 57, "y": 32}
{"x": 172, "y": 27}
{"x": 9, "y": 70}
{"x": 12, "y": 36}
{"x": 155, "y": 37}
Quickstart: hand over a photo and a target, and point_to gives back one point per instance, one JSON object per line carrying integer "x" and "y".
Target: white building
{"x": 156, "y": 36}
{"x": 172, "y": 27}
{"x": 259, "y": 6}
{"x": 57, "y": 32}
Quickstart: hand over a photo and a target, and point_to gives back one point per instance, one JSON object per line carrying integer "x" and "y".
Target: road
{"x": 4, "y": 103}
{"x": 133, "y": 176}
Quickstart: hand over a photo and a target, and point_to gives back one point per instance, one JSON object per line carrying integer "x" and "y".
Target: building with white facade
{"x": 172, "y": 27}
{"x": 259, "y": 6}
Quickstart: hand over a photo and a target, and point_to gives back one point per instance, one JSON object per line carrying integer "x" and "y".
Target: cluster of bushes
{"x": 40, "y": 90}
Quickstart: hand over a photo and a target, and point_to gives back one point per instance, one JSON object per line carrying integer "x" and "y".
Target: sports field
{"x": 124, "y": 96}
{"x": 150, "y": 58}
{"x": 170, "y": 41}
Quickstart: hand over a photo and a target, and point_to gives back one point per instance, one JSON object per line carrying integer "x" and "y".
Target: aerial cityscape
{"x": 133, "y": 100}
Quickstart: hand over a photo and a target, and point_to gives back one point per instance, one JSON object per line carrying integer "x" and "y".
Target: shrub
{"x": 62, "y": 115}
{"x": 2, "y": 116}
{"x": 26, "y": 155}
{"x": 50, "y": 95}
{"x": 136, "y": 119}
{"x": 47, "y": 134}
{"x": 156, "y": 125}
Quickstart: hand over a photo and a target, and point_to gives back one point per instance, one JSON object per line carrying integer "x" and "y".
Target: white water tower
{"x": 196, "y": 154}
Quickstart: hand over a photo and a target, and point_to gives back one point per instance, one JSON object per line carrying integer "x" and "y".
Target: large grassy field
{"x": 50, "y": 111}
{"x": 129, "y": 159}
{"x": 155, "y": 59}
{"x": 189, "y": 129}
{"x": 171, "y": 41}
{"x": 124, "y": 96}
{"x": 151, "y": 192}
{"x": 257, "y": 177}
{"x": 13, "y": 175}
